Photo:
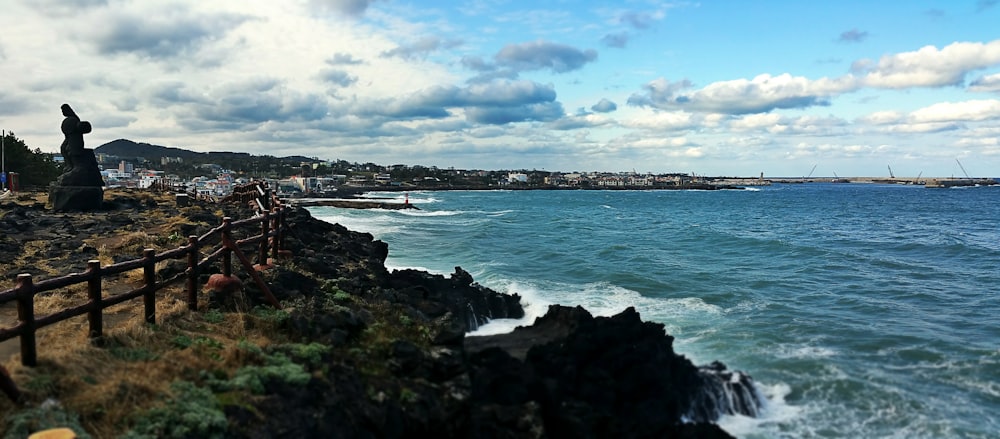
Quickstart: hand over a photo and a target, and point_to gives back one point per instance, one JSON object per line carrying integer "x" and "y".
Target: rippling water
{"x": 862, "y": 310}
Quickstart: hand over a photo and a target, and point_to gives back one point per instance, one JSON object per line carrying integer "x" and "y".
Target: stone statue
{"x": 80, "y": 187}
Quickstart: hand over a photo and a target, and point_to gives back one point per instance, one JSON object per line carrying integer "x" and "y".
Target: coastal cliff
{"x": 374, "y": 353}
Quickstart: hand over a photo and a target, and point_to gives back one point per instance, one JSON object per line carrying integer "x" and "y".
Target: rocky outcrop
{"x": 582, "y": 376}
{"x": 460, "y": 295}
{"x": 357, "y": 262}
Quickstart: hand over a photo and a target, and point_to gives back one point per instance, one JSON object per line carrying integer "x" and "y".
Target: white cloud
{"x": 822, "y": 126}
{"x": 921, "y": 127}
{"x": 988, "y": 83}
{"x": 346, "y": 7}
{"x": 977, "y": 110}
{"x": 882, "y": 118}
{"x": 755, "y": 121}
{"x": 659, "y": 142}
{"x": 929, "y": 66}
{"x": 662, "y": 121}
{"x": 761, "y": 94}
{"x": 926, "y": 67}
{"x": 980, "y": 141}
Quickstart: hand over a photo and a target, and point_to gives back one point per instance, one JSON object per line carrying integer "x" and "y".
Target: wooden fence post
{"x": 281, "y": 228}
{"x": 96, "y": 314}
{"x": 149, "y": 277}
{"x": 192, "y": 280}
{"x": 26, "y": 314}
{"x": 227, "y": 225}
{"x": 227, "y": 262}
{"x": 276, "y": 228}
{"x": 265, "y": 224}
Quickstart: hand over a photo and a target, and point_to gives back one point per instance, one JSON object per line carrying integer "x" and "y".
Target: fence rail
{"x": 270, "y": 216}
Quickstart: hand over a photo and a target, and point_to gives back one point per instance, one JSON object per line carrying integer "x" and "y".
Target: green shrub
{"x": 269, "y": 314}
{"x": 202, "y": 344}
{"x": 214, "y": 316}
{"x": 133, "y": 354}
{"x": 311, "y": 355}
{"x": 182, "y": 342}
{"x": 50, "y": 414}
{"x": 191, "y": 411}
{"x": 278, "y": 368}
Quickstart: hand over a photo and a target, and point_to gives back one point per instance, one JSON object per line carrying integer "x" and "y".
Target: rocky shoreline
{"x": 567, "y": 375}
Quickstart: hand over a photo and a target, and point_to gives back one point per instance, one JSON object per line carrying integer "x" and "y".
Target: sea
{"x": 860, "y": 310}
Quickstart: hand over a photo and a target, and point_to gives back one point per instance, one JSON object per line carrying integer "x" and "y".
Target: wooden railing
{"x": 270, "y": 217}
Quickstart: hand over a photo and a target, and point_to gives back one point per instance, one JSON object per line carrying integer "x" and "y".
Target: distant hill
{"x": 127, "y": 149}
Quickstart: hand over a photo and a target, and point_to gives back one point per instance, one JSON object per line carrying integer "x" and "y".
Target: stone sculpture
{"x": 80, "y": 187}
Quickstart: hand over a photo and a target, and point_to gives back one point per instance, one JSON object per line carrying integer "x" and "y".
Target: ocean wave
{"x": 377, "y": 226}
{"x": 802, "y": 351}
{"x": 775, "y": 412}
{"x": 411, "y": 212}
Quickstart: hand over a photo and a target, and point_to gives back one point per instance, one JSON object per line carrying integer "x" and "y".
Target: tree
{"x": 33, "y": 168}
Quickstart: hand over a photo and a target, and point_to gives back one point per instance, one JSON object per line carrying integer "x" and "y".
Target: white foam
{"x": 534, "y": 307}
{"x": 412, "y": 212}
{"x": 599, "y": 299}
{"x": 774, "y": 411}
{"x": 376, "y": 225}
{"x": 802, "y": 351}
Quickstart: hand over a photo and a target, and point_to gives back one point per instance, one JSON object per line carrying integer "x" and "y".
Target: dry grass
{"x": 109, "y": 380}
{"x": 136, "y": 361}
{"x": 30, "y": 256}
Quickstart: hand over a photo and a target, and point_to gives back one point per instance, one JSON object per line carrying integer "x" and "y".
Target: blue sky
{"x": 713, "y": 87}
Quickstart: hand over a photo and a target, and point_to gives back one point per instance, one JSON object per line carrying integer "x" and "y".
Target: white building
{"x": 517, "y": 178}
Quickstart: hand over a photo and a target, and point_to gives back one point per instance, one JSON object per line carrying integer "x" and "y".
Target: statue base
{"x": 76, "y": 198}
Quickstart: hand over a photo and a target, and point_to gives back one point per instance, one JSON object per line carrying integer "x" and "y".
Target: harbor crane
{"x": 963, "y": 168}
{"x": 811, "y": 171}
{"x": 890, "y": 172}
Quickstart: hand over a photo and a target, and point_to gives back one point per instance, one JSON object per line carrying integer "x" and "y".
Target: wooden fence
{"x": 271, "y": 222}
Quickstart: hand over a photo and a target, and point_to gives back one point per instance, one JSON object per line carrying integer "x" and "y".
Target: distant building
{"x": 517, "y": 178}
{"x": 304, "y": 184}
{"x": 359, "y": 180}
{"x": 149, "y": 178}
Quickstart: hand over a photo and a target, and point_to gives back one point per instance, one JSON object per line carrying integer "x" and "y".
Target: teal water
{"x": 861, "y": 310}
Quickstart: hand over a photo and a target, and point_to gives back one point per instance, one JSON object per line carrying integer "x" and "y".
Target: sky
{"x": 719, "y": 88}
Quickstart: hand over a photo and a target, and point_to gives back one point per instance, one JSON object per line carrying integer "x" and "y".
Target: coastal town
{"x": 127, "y": 164}
{"x": 317, "y": 179}
{"x": 219, "y": 181}
{"x": 302, "y": 176}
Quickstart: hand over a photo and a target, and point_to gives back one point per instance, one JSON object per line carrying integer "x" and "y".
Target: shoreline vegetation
{"x": 356, "y": 351}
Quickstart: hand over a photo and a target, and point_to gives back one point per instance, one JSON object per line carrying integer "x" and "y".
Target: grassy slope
{"x": 138, "y": 378}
